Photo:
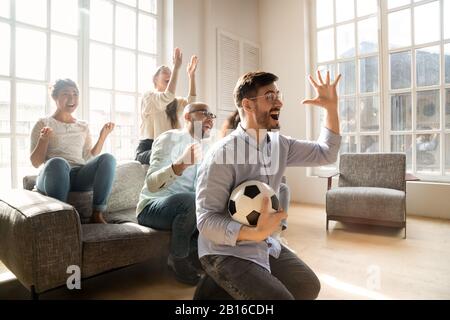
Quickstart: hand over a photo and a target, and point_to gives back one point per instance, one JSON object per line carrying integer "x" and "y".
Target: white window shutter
{"x": 235, "y": 57}
{"x": 251, "y": 57}
{"x": 229, "y": 70}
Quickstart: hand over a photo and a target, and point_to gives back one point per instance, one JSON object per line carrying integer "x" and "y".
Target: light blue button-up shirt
{"x": 160, "y": 180}
{"x": 235, "y": 159}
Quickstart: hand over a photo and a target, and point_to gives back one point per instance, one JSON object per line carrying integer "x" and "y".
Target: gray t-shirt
{"x": 70, "y": 141}
{"x": 238, "y": 158}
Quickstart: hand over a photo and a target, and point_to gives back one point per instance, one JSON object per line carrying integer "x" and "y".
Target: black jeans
{"x": 144, "y": 151}
{"x": 228, "y": 277}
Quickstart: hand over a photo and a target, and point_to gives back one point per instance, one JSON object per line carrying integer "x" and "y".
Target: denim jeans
{"x": 290, "y": 278}
{"x": 176, "y": 213}
{"x": 57, "y": 179}
{"x": 144, "y": 151}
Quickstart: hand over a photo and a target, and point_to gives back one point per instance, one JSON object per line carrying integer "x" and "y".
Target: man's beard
{"x": 263, "y": 119}
{"x": 206, "y": 133}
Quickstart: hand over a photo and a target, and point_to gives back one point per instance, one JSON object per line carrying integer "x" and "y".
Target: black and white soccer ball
{"x": 246, "y": 201}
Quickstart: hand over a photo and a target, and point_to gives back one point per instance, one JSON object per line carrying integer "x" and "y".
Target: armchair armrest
{"x": 411, "y": 177}
{"x": 330, "y": 178}
{"x": 39, "y": 238}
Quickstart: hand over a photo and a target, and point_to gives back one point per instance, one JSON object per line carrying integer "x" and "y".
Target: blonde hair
{"x": 158, "y": 71}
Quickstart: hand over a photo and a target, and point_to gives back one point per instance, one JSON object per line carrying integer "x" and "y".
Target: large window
{"x": 394, "y": 56}
{"x": 109, "y": 47}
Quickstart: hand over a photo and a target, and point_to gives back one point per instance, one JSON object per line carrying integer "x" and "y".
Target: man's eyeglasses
{"x": 205, "y": 113}
{"x": 270, "y": 96}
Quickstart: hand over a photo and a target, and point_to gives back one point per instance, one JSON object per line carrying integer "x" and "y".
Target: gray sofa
{"x": 41, "y": 236}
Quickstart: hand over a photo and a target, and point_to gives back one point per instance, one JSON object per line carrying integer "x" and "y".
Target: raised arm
{"x": 106, "y": 130}
{"x": 326, "y": 97}
{"x": 177, "y": 60}
{"x": 191, "y": 68}
{"x": 39, "y": 144}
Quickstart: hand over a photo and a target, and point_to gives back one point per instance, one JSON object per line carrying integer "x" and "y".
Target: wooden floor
{"x": 352, "y": 262}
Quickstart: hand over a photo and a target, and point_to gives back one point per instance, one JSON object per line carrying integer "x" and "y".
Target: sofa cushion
{"x": 110, "y": 246}
{"x": 127, "y": 215}
{"x": 367, "y": 203}
{"x": 130, "y": 176}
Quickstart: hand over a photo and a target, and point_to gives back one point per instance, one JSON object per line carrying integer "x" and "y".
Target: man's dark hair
{"x": 247, "y": 86}
{"x": 61, "y": 84}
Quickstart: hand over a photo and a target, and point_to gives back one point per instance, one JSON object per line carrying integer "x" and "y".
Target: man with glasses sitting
{"x": 167, "y": 200}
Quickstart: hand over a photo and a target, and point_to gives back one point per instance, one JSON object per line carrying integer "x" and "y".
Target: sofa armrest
{"x": 39, "y": 238}
{"x": 330, "y": 178}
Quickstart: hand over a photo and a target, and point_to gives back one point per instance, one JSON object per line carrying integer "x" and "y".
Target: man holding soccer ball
{"x": 246, "y": 262}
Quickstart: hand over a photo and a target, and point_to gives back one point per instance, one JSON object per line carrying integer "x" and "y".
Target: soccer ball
{"x": 246, "y": 201}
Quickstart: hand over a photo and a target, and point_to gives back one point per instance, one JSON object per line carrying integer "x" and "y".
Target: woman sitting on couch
{"x": 64, "y": 145}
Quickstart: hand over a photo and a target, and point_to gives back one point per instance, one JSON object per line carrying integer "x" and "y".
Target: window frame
{"x": 384, "y": 90}
{"x": 83, "y": 43}
{"x": 137, "y": 95}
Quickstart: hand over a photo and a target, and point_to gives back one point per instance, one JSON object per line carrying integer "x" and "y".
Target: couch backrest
{"x": 382, "y": 170}
{"x": 129, "y": 180}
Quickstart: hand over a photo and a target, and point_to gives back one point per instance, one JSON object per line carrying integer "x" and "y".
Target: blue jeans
{"x": 231, "y": 277}
{"x": 176, "y": 213}
{"x": 57, "y": 179}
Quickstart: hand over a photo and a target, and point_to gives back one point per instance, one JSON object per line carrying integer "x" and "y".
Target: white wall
{"x": 183, "y": 28}
{"x": 235, "y": 16}
{"x": 284, "y": 37}
{"x": 282, "y": 29}
{"x": 195, "y": 24}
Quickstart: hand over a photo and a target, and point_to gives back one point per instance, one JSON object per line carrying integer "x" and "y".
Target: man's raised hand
{"x": 326, "y": 95}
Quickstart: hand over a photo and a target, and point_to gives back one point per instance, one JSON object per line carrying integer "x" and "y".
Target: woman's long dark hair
{"x": 230, "y": 124}
{"x": 233, "y": 120}
{"x": 171, "y": 108}
{"x": 61, "y": 84}
{"x": 171, "y": 112}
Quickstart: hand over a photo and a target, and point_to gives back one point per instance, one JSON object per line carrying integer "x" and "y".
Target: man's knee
{"x": 314, "y": 288}
{"x": 307, "y": 290}
{"x": 208, "y": 289}
{"x": 186, "y": 200}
